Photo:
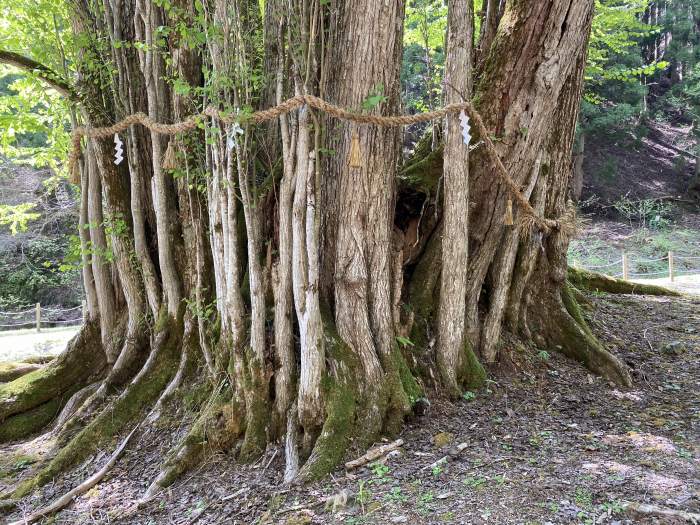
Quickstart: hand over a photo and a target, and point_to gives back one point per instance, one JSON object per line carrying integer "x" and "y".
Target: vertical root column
{"x": 254, "y": 379}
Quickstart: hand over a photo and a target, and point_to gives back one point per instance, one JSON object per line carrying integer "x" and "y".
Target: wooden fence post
{"x": 38, "y": 317}
{"x": 625, "y": 266}
{"x": 670, "y": 266}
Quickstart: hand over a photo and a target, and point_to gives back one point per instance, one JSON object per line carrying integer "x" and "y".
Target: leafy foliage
{"x": 16, "y": 217}
{"x": 424, "y": 53}
{"x": 31, "y": 273}
{"x": 616, "y": 68}
{"x": 34, "y": 120}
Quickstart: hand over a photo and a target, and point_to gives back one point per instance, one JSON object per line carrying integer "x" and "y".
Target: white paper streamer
{"x": 234, "y": 130}
{"x": 118, "y": 150}
{"x": 464, "y": 123}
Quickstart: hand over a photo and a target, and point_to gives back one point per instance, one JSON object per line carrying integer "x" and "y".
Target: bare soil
{"x": 546, "y": 443}
{"x": 642, "y": 168}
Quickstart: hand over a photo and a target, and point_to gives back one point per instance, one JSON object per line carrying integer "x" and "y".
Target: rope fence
{"x": 676, "y": 266}
{"x": 528, "y": 219}
{"x": 37, "y": 317}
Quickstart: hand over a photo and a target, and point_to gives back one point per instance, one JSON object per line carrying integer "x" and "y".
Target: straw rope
{"x": 528, "y": 220}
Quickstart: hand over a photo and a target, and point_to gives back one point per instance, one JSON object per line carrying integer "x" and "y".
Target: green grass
{"x": 647, "y": 251}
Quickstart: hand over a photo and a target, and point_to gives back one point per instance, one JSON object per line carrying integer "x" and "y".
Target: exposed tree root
{"x": 604, "y": 283}
{"x": 645, "y": 510}
{"x": 218, "y": 426}
{"x": 72, "y": 369}
{"x": 142, "y": 392}
{"x": 27, "y": 423}
{"x": 345, "y": 407}
{"x": 374, "y": 453}
{"x": 186, "y": 358}
{"x": 86, "y": 485}
{"x": 39, "y": 359}
{"x": 423, "y": 291}
{"x": 291, "y": 445}
{"x": 257, "y": 408}
{"x": 11, "y": 371}
{"x": 563, "y": 326}
{"x": 74, "y": 403}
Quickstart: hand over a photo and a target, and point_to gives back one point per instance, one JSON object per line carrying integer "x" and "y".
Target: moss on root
{"x": 31, "y": 421}
{"x": 573, "y": 337}
{"x": 348, "y": 405}
{"x": 81, "y": 359}
{"x": 218, "y": 426}
{"x": 11, "y": 371}
{"x": 342, "y": 400}
{"x": 338, "y": 430}
{"x": 471, "y": 374}
{"x": 139, "y": 394}
{"x": 400, "y": 390}
{"x": 424, "y": 295}
{"x": 408, "y": 381}
{"x": 257, "y": 409}
{"x": 604, "y": 283}
{"x": 424, "y": 171}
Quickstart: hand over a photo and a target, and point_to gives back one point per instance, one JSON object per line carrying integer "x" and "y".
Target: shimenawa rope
{"x": 529, "y": 219}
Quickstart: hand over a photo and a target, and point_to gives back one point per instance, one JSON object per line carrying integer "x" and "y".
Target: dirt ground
{"x": 650, "y": 167}
{"x": 546, "y": 442}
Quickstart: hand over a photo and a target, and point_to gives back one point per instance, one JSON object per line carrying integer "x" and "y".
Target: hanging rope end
{"x": 508, "y": 218}
{"x": 169, "y": 161}
{"x": 355, "y": 156}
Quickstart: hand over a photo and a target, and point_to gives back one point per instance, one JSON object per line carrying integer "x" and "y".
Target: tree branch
{"x": 43, "y": 72}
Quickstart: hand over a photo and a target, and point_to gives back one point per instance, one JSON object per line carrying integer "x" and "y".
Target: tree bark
{"x": 351, "y": 269}
{"x": 359, "y": 200}
{"x": 453, "y": 285}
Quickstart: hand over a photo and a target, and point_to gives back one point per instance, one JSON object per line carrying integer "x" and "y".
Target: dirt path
{"x": 684, "y": 283}
{"x": 17, "y": 345}
{"x": 548, "y": 444}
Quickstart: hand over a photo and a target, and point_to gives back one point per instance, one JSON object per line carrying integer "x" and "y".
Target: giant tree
{"x": 321, "y": 285}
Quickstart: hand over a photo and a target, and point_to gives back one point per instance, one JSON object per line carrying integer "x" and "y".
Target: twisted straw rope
{"x": 531, "y": 218}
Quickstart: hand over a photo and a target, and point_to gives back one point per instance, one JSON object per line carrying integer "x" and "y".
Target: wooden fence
{"x": 37, "y": 316}
{"x": 676, "y": 265}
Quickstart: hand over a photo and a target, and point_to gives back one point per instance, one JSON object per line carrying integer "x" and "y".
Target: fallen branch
{"x": 645, "y": 509}
{"x": 86, "y": 485}
{"x": 436, "y": 464}
{"x": 373, "y": 453}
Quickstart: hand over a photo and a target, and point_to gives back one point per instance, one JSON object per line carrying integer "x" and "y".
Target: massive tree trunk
{"x": 529, "y": 92}
{"x": 360, "y": 200}
{"x": 208, "y": 227}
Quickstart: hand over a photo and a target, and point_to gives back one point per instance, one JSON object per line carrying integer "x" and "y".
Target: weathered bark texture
{"x": 453, "y": 286}
{"x": 359, "y": 201}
